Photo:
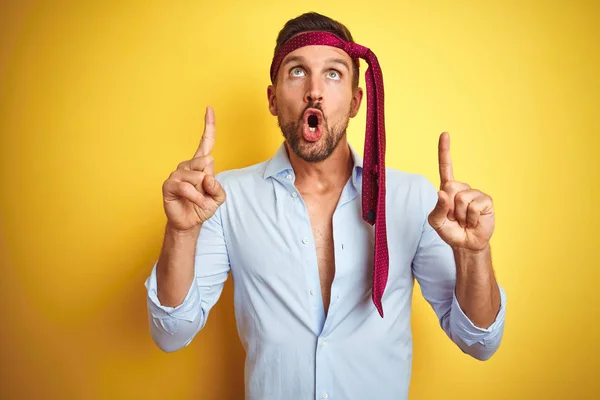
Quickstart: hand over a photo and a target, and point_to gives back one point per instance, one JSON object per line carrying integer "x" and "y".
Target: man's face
{"x": 313, "y": 100}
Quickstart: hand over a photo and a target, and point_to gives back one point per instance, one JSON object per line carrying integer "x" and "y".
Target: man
{"x": 294, "y": 236}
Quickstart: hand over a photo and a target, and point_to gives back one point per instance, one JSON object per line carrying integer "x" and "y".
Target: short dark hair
{"x": 313, "y": 21}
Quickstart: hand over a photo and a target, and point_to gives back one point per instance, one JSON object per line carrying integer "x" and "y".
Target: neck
{"x": 323, "y": 176}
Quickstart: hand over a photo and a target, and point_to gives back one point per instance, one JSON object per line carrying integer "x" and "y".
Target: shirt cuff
{"x": 186, "y": 311}
{"x": 471, "y": 334}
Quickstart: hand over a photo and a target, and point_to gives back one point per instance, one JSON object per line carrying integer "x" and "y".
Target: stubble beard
{"x": 320, "y": 150}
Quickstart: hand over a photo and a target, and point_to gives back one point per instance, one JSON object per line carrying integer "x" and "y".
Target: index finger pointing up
{"x": 446, "y": 174}
{"x": 207, "y": 141}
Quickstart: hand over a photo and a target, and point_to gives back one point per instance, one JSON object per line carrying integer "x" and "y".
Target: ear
{"x": 356, "y": 100}
{"x": 271, "y": 98}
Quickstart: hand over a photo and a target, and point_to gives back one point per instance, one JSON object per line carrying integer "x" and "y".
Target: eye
{"x": 297, "y": 71}
{"x": 333, "y": 74}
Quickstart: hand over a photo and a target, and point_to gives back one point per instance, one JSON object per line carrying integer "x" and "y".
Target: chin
{"x": 312, "y": 151}
{"x": 309, "y": 151}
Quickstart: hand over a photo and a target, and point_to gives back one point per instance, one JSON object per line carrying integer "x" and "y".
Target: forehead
{"x": 318, "y": 54}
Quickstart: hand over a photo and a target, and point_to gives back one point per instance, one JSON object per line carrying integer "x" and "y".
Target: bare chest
{"x": 320, "y": 211}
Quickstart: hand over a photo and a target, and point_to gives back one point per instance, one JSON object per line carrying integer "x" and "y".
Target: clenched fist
{"x": 191, "y": 194}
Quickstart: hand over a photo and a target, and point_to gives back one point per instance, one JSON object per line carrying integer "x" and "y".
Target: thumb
{"x": 438, "y": 215}
{"x": 214, "y": 189}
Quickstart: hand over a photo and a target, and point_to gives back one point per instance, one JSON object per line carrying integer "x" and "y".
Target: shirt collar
{"x": 280, "y": 163}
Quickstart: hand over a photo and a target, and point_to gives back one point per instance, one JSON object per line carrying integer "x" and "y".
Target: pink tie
{"x": 373, "y": 183}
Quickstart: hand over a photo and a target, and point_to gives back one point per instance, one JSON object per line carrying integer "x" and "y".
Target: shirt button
{"x": 312, "y": 292}
{"x": 305, "y": 240}
{"x": 289, "y": 177}
{"x": 325, "y": 395}
{"x": 324, "y": 341}
{"x": 294, "y": 194}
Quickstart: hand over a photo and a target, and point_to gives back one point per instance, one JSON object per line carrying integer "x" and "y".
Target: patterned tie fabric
{"x": 373, "y": 183}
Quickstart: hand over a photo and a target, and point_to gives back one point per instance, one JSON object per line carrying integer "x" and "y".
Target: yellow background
{"x": 100, "y": 101}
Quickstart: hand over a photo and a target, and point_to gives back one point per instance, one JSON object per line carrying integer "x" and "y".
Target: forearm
{"x": 477, "y": 291}
{"x": 175, "y": 267}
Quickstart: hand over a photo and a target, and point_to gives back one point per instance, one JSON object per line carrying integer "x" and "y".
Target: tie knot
{"x": 355, "y": 50}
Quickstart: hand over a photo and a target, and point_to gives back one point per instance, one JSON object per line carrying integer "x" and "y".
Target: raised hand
{"x": 463, "y": 217}
{"x": 191, "y": 194}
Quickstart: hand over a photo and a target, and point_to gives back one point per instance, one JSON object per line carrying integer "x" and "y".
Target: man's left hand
{"x": 463, "y": 217}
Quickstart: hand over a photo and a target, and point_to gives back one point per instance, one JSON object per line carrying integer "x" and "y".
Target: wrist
{"x": 469, "y": 252}
{"x": 472, "y": 260}
{"x": 182, "y": 233}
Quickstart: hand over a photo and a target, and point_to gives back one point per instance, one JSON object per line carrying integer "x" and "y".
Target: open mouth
{"x": 313, "y": 122}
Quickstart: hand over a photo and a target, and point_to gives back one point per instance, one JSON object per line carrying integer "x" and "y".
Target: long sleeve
{"x": 434, "y": 268}
{"x": 173, "y": 328}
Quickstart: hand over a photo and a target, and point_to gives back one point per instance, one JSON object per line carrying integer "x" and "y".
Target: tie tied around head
{"x": 373, "y": 181}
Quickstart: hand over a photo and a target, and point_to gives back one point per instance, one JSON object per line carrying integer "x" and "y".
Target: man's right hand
{"x": 191, "y": 194}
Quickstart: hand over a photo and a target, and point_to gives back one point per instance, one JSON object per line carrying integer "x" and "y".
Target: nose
{"x": 314, "y": 90}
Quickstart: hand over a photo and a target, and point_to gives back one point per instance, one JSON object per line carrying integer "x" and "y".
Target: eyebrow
{"x": 301, "y": 59}
{"x": 335, "y": 60}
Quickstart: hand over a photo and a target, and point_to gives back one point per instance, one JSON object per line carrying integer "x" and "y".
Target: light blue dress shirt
{"x": 262, "y": 235}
